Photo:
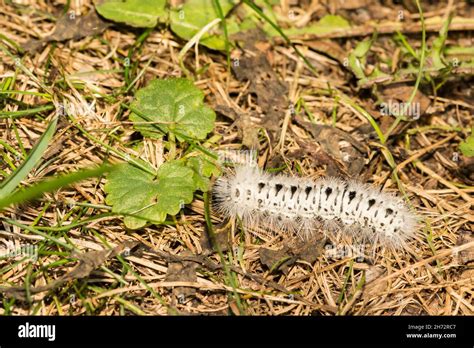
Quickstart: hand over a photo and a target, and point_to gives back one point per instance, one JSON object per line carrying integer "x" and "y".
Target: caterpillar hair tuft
{"x": 301, "y": 206}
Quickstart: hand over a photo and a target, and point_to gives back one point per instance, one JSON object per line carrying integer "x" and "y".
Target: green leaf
{"x": 7, "y": 186}
{"x": 175, "y": 105}
{"x": 467, "y": 147}
{"x": 255, "y": 13}
{"x": 188, "y": 20}
{"x": 436, "y": 52}
{"x": 26, "y": 112}
{"x": 132, "y": 191}
{"x": 362, "y": 48}
{"x": 137, "y": 13}
{"x": 203, "y": 168}
{"x": 325, "y": 25}
{"x": 357, "y": 58}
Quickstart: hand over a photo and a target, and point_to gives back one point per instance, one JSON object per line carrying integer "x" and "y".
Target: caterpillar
{"x": 301, "y": 206}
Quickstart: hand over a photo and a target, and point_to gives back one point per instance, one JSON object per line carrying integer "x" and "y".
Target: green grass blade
{"x": 26, "y": 112}
{"x": 52, "y": 184}
{"x": 275, "y": 26}
{"x": 8, "y": 185}
{"x": 419, "y": 76}
{"x": 226, "y": 34}
{"x": 346, "y": 99}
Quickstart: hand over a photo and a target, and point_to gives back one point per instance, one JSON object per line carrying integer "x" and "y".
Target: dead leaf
{"x": 309, "y": 250}
{"x": 247, "y": 131}
{"x": 254, "y": 66}
{"x": 226, "y": 111}
{"x": 221, "y": 238}
{"x": 395, "y": 96}
{"x": 284, "y": 258}
{"x": 317, "y": 155}
{"x": 342, "y": 147}
{"x": 182, "y": 271}
{"x": 372, "y": 286}
{"x": 71, "y": 27}
{"x": 466, "y": 256}
{"x": 466, "y": 169}
{"x": 276, "y": 259}
{"x": 88, "y": 262}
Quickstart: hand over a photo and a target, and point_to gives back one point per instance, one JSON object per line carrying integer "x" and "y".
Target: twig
{"x": 434, "y": 25}
{"x": 216, "y": 267}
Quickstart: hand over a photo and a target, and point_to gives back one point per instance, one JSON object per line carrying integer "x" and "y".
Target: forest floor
{"x": 326, "y": 115}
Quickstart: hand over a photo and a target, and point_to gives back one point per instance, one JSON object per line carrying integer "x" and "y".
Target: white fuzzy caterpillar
{"x": 300, "y": 206}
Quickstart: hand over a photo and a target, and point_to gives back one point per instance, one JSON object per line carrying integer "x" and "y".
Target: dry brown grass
{"x": 433, "y": 280}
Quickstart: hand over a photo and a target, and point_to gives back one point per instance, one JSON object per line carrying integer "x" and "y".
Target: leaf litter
{"x": 437, "y": 201}
{"x": 88, "y": 262}
{"x": 70, "y": 27}
{"x": 254, "y": 66}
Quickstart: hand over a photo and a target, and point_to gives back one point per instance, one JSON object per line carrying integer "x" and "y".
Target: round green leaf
{"x": 137, "y": 13}
{"x": 148, "y": 197}
{"x": 176, "y": 105}
{"x": 189, "y": 19}
{"x": 203, "y": 168}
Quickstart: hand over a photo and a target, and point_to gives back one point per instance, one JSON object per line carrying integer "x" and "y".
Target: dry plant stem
{"x": 423, "y": 151}
{"x": 446, "y": 183}
{"x": 457, "y": 24}
{"x": 289, "y": 112}
{"x": 217, "y": 267}
{"x": 439, "y": 255}
{"x": 430, "y": 278}
{"x": 194, "y": 41}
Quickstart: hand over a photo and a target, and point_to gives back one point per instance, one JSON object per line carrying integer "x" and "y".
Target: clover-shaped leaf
{"x": 147, "y": 196}
{"x": 176, "y": 105}
{"x": 137, "y": 13}
{"x": 203, "y": 168}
